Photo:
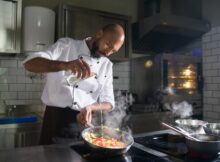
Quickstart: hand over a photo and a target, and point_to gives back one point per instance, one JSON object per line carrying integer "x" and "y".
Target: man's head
{"x": 107, "y": 41}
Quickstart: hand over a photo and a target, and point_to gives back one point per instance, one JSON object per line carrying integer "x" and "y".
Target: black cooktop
{"x": 175, "y": 146}
{"x": 133, "y": 155}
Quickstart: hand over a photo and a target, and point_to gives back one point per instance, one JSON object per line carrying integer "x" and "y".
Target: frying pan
{"x": 123, "y": 136}
{"x": 208, "y": 144}
{"x": 200, "y": 143}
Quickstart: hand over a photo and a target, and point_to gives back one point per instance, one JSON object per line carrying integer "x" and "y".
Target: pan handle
{"x": 178, "y": 131}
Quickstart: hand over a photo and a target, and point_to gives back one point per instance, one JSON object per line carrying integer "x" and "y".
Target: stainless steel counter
{"x": 50, "y": 153}
{"x": 64, "y": 153}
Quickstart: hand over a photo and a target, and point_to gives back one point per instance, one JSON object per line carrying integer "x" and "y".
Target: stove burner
{"x": 133, "y": 155}
{"x": 175, "y": 145}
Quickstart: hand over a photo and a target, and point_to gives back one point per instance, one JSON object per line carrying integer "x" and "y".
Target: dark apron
{"x": 59, "y": 126}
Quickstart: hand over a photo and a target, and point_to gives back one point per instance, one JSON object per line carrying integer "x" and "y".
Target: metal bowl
{"x": 191, "y": 125}
{"x": 212, "y": 128}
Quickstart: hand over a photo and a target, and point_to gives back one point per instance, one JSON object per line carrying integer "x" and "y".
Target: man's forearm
{"x": 101, "y": 106}
{"x": 42, "y": 65}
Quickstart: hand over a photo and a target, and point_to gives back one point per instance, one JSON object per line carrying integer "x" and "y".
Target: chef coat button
{"x": 74, "y": 103}
{"x": 97, "y": 62}
{"x": 96, "y": 77}
{"x": 105, "y": 76}
{"x": 90, "y": 91}
{"x": 76, "y": 86}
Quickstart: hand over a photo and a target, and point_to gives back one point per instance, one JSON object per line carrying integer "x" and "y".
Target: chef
{"x": 78, "y": 79}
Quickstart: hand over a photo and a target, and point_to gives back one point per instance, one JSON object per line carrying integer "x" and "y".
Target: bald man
{"x": 78, "y": 80}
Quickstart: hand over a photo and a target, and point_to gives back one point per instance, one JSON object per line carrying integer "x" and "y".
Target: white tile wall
{"x": 17, "y": 86}
{"x": 122, "y": 71}
{"x": 211, "y": 73}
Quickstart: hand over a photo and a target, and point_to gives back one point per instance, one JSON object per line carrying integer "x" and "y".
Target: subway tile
{"x": 207, "y": 93}
{"x": 216, "y": 80}
{"x": 216, "y": 65}
{"x": 211, "y": 45}
{"x": 9, "y": 63}
{"x": 216, "y": 108}
{"x": 208, "y": 80}
{"x": 216, "y": 94}
{"x": 16, "y": 71}
{"x": 34, "y": 87}
{"x": 206, "y": 38}
{"x": 21, "y": 79}
{"x": 207, "y": 66}
{"x": 212, "y": 115}
{"x": 16, "y": 102}
{"x": 8, "y": 95}
{"x": 16, "y": 87}
{"x": 213, "y": 101}
{"x": 3, "y": 87}
{"x": 20, "y": 64}
{"x": 207, "y": 52}
{"x": 215, "y": 51}
{"x": 210, "y": 87}
{"x": 208, "y": 107}
{"x": 8, "y": 79}
{"x": 215, "y": 37}
{"x": 212, "y": 73}
{"x": 211, "y": 59}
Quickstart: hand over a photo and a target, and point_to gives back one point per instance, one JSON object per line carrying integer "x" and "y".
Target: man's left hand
{"x": 85, "y": 116}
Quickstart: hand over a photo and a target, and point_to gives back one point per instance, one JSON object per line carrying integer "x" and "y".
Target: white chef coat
{"x": 57, "y": 92}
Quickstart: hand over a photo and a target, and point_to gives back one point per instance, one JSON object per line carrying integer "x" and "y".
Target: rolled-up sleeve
{"x": 51, "y": 53}
{"x": 107, "y": 92}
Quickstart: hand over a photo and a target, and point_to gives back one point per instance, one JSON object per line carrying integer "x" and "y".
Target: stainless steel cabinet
{"x": 19, "y": 135}
{"x": 79, "y": 23}
{"x": 10, "y": 26}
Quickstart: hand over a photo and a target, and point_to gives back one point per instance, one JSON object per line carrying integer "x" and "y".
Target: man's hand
{"x": 79, "y": 67}
{"x": 85, "y": 116}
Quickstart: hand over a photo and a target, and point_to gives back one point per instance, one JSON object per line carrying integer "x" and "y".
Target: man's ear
{"x": 99, "y": 34}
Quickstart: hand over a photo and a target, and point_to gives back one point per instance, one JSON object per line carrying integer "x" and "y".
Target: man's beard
{"x": 94, "y": 49}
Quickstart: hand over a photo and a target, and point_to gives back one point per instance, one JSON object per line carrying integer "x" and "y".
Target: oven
{"x": 166, "y": 78}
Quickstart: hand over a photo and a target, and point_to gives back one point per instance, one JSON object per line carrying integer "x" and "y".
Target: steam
{"x": 118, "y": 117}
{"x": 169, "y": 90}
{"x": 182, "y": 109}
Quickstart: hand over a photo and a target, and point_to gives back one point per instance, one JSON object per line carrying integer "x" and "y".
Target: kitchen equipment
{"x": 192, "y": 125}
{"x": 208, "y": 144}
{"x": 212, "y": 128}
{"x": 110, "y": 132}
{"x": 202, "y": 143}
{"x": 174, "y": 145}
{"x": 180, "y": 131}
{"x": 39, "y": 27}
{"x": 170, "y": 78}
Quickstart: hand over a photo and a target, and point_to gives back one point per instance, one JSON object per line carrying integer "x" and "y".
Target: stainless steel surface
{"x": 21, "y": 134}
{"x": 58, "y": 153}
{"x": 151, "y": 87}
{"x": 165, "y": 30}
{"x": 212, "y": 128}
{"x": 51, "y": 153}
{"x": 10, "y": 26}
{"x": 190, "y": 124}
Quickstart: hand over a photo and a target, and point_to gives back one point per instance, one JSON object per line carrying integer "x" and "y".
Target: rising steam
{"x": 118, "y": 117}
{"x": 182, "y": 109}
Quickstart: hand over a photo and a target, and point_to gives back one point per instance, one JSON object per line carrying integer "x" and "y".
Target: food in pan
{"x": 103, "y": 141}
